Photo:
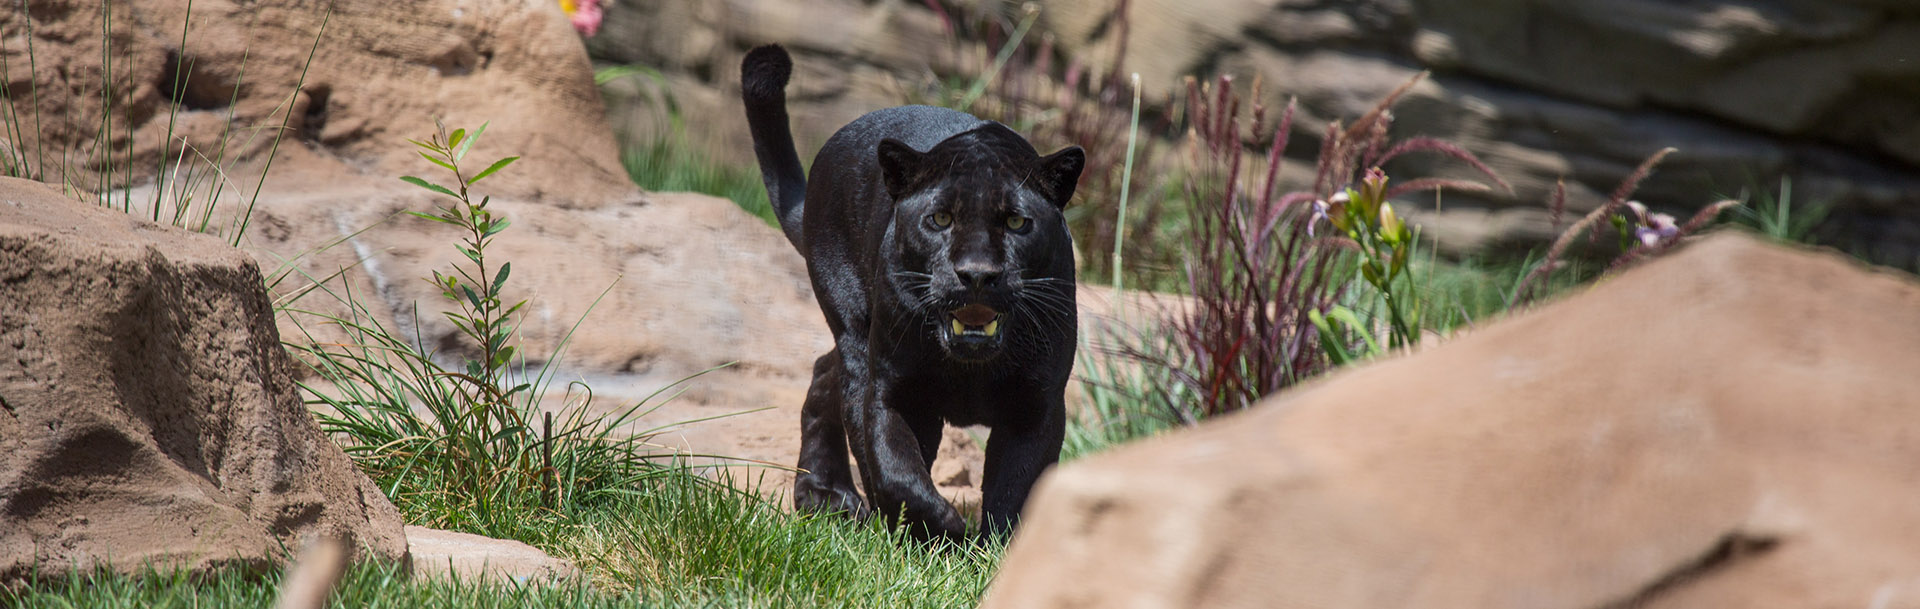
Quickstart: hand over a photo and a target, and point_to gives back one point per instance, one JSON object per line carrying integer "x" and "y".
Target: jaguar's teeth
{"x": 957, "y": 328}
{"x": 993, "y": 327}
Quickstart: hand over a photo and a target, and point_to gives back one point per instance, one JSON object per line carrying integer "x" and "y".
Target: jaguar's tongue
{"x": 975, "y": 315}
{"x": 975, "y": 319}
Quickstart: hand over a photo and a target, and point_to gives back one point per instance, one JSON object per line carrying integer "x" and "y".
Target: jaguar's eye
{"x": 1017, "y": 222}
{"x": 941, "y": 219}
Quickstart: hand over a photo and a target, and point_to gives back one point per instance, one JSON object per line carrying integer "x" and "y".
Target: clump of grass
{"x": 1264, "y": 275}
{"x": 1253, "y": 271}
{"x": 665, "y": 164}
{"x": 468, "y": 447}
{"x": 1775, "y": 216}
{"x": 671, "y": 161}
{"x": 682, "y": 541}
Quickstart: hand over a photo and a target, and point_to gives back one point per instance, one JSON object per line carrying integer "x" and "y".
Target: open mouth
{"x": 974, "y": 320}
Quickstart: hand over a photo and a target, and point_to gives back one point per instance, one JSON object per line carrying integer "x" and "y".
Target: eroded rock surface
{"x": 147, "y": 412}
{"x": 1732, "y": 426}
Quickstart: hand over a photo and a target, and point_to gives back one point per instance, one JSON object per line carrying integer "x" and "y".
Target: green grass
{"x": 670, "y": 164}
{"x": 673, "y": 543}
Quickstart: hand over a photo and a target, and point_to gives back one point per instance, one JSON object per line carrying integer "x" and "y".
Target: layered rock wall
{"x": 1748, "y": 90}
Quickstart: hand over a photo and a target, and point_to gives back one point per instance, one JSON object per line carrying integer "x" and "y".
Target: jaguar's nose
{"x": 978, "y": 274}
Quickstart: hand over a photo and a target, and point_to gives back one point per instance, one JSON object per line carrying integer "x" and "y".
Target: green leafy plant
{"x": 474, "y": 290}
{"x": 1384, "y": 243}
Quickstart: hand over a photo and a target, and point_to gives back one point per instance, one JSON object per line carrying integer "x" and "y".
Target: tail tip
{"x": 765, "y": 71}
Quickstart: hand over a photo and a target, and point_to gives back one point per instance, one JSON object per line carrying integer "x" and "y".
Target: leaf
{"x": 1347, "y": 316}
{"x": 428, "y": 185}
{"x": 458, "y": 135}
{"x": 494, "y": 227}
{"x": 425, "y": 145}
{"x": 496, "y": 166}
{"x": 1336, "y": 350}
{"x": 436, "y": 160}
{"x": 500, "y": 278}
{"x": 434, "y": 218}
{"x": 471, "y": 254}
{"x": 471, "y": 297}
{"x": 463, "y": 147}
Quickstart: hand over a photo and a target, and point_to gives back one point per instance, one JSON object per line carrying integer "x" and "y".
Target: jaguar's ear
{"x": 1059, "y": 174}
{"x": 899, "y": 163}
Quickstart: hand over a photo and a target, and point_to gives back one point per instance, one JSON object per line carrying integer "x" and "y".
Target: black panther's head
{"x": 983, "y": 250}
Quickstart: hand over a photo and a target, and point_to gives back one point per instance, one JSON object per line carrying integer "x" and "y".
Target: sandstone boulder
{"x": 1732, "y": 426}
{"x": 147, "y": 413}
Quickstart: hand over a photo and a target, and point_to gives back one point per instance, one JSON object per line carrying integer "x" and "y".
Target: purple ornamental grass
{"x": 1257, "y": 268}
{"x": 1646, "y": 234}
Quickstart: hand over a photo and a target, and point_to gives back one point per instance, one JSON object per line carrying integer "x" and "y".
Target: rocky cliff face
{"x": 1827, "y": 92}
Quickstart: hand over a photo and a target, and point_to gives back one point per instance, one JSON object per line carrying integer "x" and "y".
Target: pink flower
{"x": 584, "y": 14}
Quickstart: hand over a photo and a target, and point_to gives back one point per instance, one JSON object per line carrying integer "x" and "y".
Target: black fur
{"x": 917, "y": 219}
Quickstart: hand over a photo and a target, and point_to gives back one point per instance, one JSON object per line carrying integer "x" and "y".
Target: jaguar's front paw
{"x": 810, "y": 494}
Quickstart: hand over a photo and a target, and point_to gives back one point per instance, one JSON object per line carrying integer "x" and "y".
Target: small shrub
{"x": 469, "y": 447}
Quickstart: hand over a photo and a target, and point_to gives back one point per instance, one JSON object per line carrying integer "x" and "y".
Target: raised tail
{"x": 763, "y": 82}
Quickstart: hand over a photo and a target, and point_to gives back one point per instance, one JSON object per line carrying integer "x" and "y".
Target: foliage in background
{"x": 1060, "y": 103}
{"x": 186, "y": 179}
{"x": 1775, "y": 216}
{"x": 1641, "y": 234}
{"x": 584, "y": 15}
{"x": 672, "y": 162}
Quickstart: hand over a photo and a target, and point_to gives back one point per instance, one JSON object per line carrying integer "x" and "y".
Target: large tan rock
{"x": 147, "y": 414}
{"x": 1733, "y": 426}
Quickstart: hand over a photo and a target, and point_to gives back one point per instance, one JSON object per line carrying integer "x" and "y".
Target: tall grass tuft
{"x": 1254, "y": 270}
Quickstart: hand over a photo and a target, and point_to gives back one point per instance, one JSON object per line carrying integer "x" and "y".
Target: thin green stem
{"x": 1126, "y": 186}
{"x": 246, "y": 218}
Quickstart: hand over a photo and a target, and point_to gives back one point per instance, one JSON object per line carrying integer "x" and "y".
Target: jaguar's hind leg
{"x": 825, "y": 482}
